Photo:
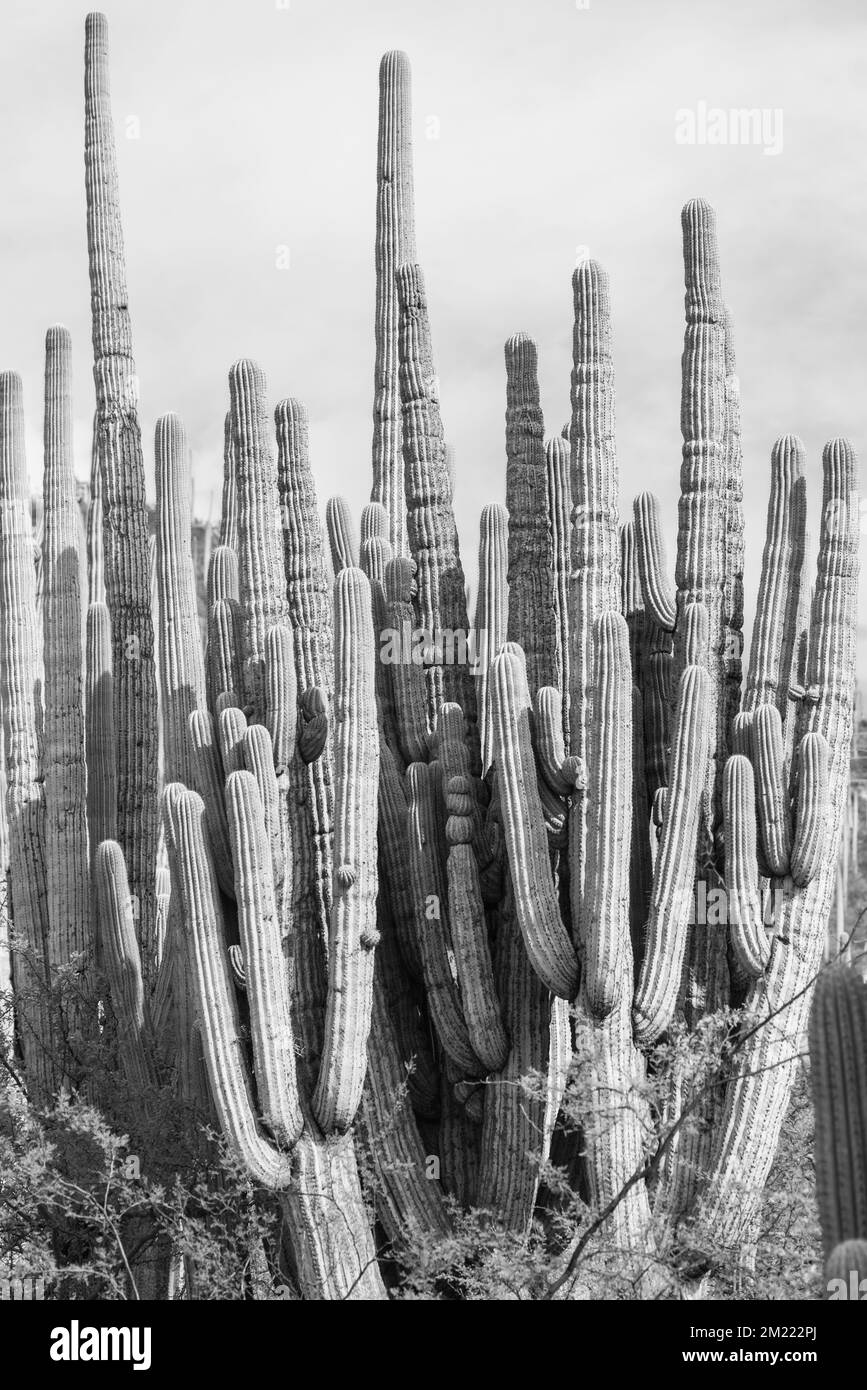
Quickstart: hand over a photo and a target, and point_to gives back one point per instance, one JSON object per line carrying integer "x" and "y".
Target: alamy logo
{"x": 855, "y": 1289}
{"x": 713, "y": 125}
{"x": 77, "y": 1343}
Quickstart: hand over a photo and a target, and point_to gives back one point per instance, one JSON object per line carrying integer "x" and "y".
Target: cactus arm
{"x": 532, "y": 612}
{"x": 561, "y": 773}
{"x": 194, "y": 881}
{"x": 229, "y": 512}
{"x": 259, "y": 760}
{"x": 374, "y": 524}
{"x": 181, "y": 662}
{"x": 657, "y": 989}
{"x": 99, "y": 728}
{"x": 393, "y": 858}
{"x": 95, "y": 557}
{"x": 603, "y": 913}
{"x": 430, "y": 899}
{"x": 733, "y": 533}
{"x": 264, "y": 962}
{"x": 469, "y": 929}
{"x": 652, "y": 564}
{"x": 774, "y": 631}
{"x": 208, "y": 782}
{"x": 308, "y": 588}
{"x": 811, "y": 810}
{"x": 538, "y": 913}
{"x": 491, "y": 618}
{"x": 353, "y": 926}
{"x": 122, "y": 963}
{"x": 773, "y": 797}
{"x": 261, "y": 576}
{"x": 431, "y": 528}
{"x": 231, "y": 728}
{"x": 513, "y": 1124}
{"x": 224, "y": 666}
{"x": 407, "y": 677}
{"x": 559, "y": 492}
{"x": 63, "y": 759}
{"x": 341, "y": 534}
{"x": 749, "y": 939}
{"x": 595, "y": 574}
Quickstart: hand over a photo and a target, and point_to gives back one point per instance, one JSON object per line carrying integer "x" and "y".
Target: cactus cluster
{"x": 321, "y": 879}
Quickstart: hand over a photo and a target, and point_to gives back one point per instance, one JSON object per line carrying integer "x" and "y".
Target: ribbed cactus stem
{"x": 224, "y": 659}
{"x": 656, "y": 993}
{"x": 264, "y": 960}
{"x": 532, "y": 603}
{"x": 595, "y": 577}
{"x": 775, "y": 627}
{"x": 125, "y": 523}
{"x": 559, "y": 489}
{"x": 229, "y": 512}
{"x": 181, "y": 660}
{"x": 733, "y": 533}
{"x": 95, "y": 559}
{"x": 342, "y": 538}
{"x": 431, "y": 529}
{"x": 24, "y": 787}
{"x": 122, "y": 964}
{"x": 67, "y": 866}
{"x": 261, "y": 577}
{"x": 811, "y": 808}
{"x": 308, "y": 590}
{"x": 652, "y": 562}
{"x": 699, "y": 570}
{"x": 395, "y": 245}
{"x": 430, "y": 899}
{"x": 208, "y": 782}
{"x": 231, "y": 728}
{"x": 222, "y": 575}
{"x": 374, "y": 523}
{"x": 838, "y": 1072}
{"x": 548, "y": 946}
{"x": 492, "y": 613}
{"x": 281, "y": 703}
{"x": 773, "y": 795}
{"x": 100, "y": 746}
{"x": 259, "y": 760}
{"x": 409, "y": 693}
{"x": 194, "y": 881}
{"x": 353, "y": 915}
{"x": 749, "y": 938}
{"x": 756, "y": 1102}
{"x": 602, "y": 914}
{"x": 308, "y": 585}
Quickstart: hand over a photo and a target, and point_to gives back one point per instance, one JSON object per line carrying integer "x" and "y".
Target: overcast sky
{"x": 244, "y": 126}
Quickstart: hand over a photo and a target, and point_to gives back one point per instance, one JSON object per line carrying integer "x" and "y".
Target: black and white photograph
{"x": 433, "y": 747}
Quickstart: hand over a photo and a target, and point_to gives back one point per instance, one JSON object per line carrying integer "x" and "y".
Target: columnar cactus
{"x": 838, "y": 1073}
{"x": 181, "y": 663}
{"x": 395, "y": 246}
{"x": 369, "y": 918}
{"x": 532, "y": 605}
{"x": 63, "y": 752}
{"x": 433, "y": 538}
{"x": 25, "y": 792}
{"x": 125, "y": 527}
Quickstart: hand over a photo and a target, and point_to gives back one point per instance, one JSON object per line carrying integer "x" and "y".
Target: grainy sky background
{"x": 245, "y": 126}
